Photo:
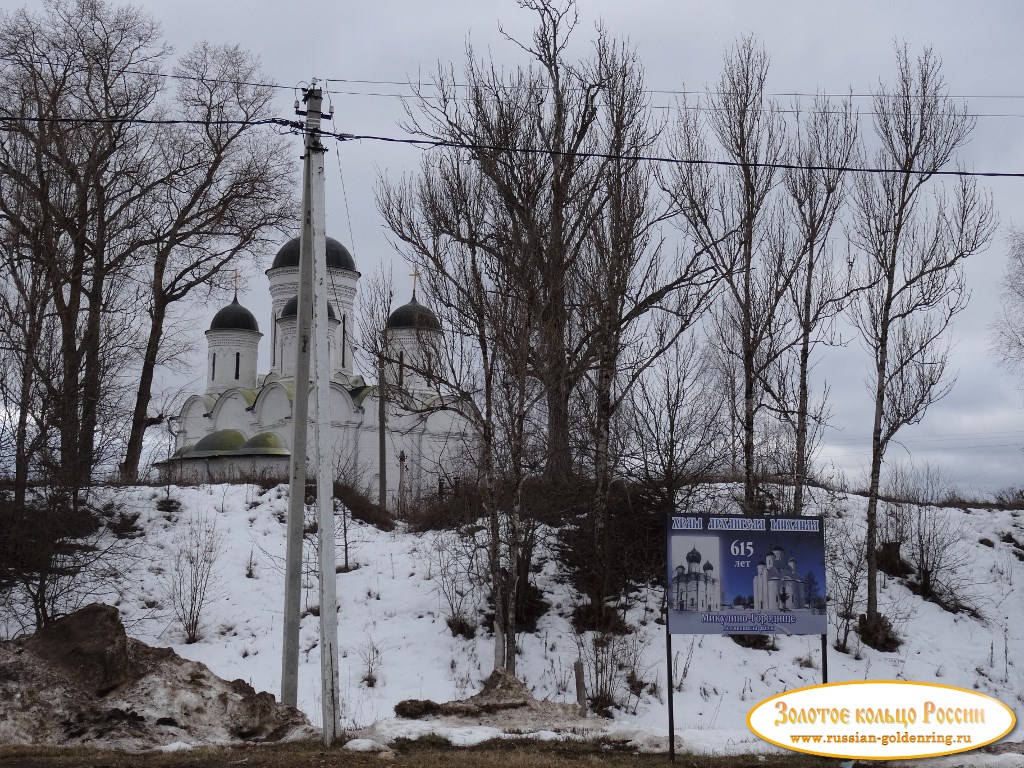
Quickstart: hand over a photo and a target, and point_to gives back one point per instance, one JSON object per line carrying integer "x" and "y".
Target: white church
{"x": 777, "y": 585}
{"x": 240, "y": 427}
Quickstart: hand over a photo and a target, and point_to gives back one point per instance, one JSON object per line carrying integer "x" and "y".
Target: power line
{"x": 429, "y": 143}
{"x": 150, "y": 73}
{"x": 416, "y": 95}
{"x": 674, "y": 92}
{"x": 677, "y": 107}
{"x": 441, "y": 143}
{"x": 138, "y": 121}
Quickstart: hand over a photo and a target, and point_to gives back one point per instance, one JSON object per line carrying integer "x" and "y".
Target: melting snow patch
{"x": 365, "y": 745}
{"x": 174, "y": 746}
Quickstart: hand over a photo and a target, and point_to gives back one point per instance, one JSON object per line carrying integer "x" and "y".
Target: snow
{"x": 392, "y": 633}
{"x": 175, "y": 746}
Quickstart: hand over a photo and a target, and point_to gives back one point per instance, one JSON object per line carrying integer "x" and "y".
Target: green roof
{"x": 266, "y": 443}
{"x": 221, "y": 441}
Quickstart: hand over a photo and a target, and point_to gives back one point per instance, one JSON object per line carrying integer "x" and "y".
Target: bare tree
{"x": 536, "y": 137}
{"x": 931, "y": 540}
{"x": 1008, "y": 325}
{"x": 911, "y": 252}
{"x": 125, "y": 212}
{"x": 635, "y": 301}
{"x": 675, "y": 427}
{"x": 54, "y": 559}
{"x": 731, "y": 213}
{"x": 847, "y": 563}
{"x": 444, "y": 220}
{"x": 217, "y": 193}
{"x": 821, "y": 148}
{"x": 27, "y": 341}
{"x": 99, "y": 66}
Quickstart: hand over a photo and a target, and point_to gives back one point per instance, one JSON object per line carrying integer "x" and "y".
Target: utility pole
{"x": 382, "y": 427}
{"x": 329, "y": 696}
{"x": 312, "y": 262}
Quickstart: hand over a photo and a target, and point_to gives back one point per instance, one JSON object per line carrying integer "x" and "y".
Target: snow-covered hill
{"x": 395, "y": 642}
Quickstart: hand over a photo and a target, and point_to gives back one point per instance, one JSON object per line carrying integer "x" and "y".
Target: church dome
{"x": 708, "y": 566}
{"x": 266, "y": 443}
{"x": 693, "y": 556}
{"x": 291, "y": 309}
{"x": 234, "y": 317}
{"x": 338, "y": 256}
{"x": 413, "y": 315}
{"x": 221, "y": 441}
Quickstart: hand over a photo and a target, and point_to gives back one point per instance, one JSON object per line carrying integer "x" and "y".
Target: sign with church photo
{"x": 731, "y": 574}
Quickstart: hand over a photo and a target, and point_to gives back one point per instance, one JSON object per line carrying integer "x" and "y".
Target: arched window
{"x": 238, "y": 364}
{"x": 344, "y": 338}
{"x": 401, "y": 368}
{"x": 213, "y": 367}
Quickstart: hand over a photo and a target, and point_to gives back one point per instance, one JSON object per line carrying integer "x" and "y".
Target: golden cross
{"x": 415, "y": 275}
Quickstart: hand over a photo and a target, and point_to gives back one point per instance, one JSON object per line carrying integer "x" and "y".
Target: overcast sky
{"x": 976, "y": 433}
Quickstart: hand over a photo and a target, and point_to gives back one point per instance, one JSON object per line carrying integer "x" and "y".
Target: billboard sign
{"x": 731, "y": 574}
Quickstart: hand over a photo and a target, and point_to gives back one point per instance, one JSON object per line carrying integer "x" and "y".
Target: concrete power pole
{"x": 382, "y": 431}
{"x": 312, "y": 262}
{"x": 329, "y": 696}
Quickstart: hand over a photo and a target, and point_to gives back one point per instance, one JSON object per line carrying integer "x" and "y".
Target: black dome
{"x": 338, "y": 256}
{"x": 234, "y": 317}
{"x": 693, "y": 556}
{"x": 291, "y": 309}
{"x": 413, "y": 315}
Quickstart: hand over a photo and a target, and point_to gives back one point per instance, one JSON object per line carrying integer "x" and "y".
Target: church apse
{"x": 695, "y": 585}
{"x": 777, "y": 585}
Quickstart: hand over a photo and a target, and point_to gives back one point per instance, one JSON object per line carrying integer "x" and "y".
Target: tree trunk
{"x": 803, "y": 395}
{"x": 602, "y": 480}
{"x": 877, "y": 452}
{"x": 141, "y": 420}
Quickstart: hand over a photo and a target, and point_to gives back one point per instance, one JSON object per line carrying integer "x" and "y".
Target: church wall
{"x": 410, "y": 351}
{"x": 273, "y": 407}
{"x": 341, "y": 292}
{"x": 232, "y": 412}
{"x": 225, "y": 372}
{"x": 192, "y": 423}
{"x": 219, "y": 469}
{"x": 433, "y": 443}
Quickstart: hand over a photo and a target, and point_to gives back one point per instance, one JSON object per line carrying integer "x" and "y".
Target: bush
{"x": 755, "y": 642}
{"x": 192, "y": 576}
{"x": 416, "y": 708}
{"x": 611, "y": 666}
{"x": 54, "y": 557}
{"x": 635, "y": 534}
{"x": 362, "y": 509}
{"x": 458, "y": 506}
{"x": 877, "y": 632}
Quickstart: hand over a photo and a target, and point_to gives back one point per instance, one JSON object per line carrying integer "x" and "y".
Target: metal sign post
{"x": 733, "y": 574}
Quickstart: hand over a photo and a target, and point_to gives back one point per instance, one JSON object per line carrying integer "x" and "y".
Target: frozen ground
{"x": 395, "y": 643}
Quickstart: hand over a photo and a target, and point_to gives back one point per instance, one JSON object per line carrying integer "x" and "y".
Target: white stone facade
{"x": 242, "y": 427}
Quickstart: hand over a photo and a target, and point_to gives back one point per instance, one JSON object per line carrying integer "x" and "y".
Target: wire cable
{"x": 429, "y": 143}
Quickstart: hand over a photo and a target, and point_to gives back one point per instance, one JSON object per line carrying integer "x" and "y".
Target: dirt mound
{"x": 504, "y": 700}
{"x": 82, "y": 680}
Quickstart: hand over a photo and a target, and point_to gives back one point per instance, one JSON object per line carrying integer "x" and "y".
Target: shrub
{"x": 192, "y": 576}
{"x": 361, "y": 508}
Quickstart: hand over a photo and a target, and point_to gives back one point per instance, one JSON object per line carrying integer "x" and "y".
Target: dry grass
{"x": 432, "y": 752}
